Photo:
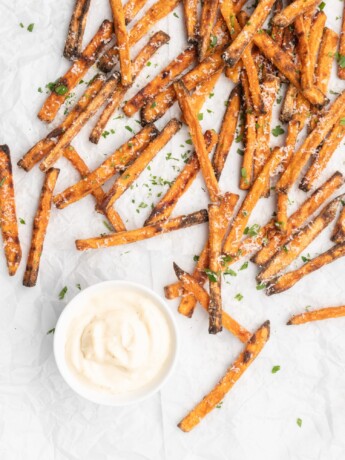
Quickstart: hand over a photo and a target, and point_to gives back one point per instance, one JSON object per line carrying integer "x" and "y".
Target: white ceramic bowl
{"x": 73, "y": 309}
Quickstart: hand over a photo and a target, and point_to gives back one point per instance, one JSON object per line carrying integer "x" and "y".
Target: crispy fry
{"x": 122, "y": 42}
{"x": 233, "y": 54}
{"x": 191, "y": 19}
{"x": 259, "y": 186}
{"x": 227, "y": 131}
{"x": 181, "y": 184}
{"x": 158, "y": 11}
{"x": 42, "y": 147}
{"x": 309, "y": 146}
{"x": 198, "y": 140}
{"x": 139, "y": 234}
{"x": 155, "y": 42}
{"x": 289, "y": 252}
{"x": 64, "y": 85}
{"x": 76, "y": 29}
{"x": 317, "y": 315}
{"x": 161, "y": 81}
{"x": 288, "y": 280}
{"x": 56, "y": 152}
{"x": 8, "y": 216}
{"x": 293, "y": 11}
{"x": 132, "y": 8}
{"x": 341, "y": 68}
{"x": 117, "y": 161}
{"x": 234, "y": 372}
{"x": 250, "y": 135}
{"x": 299, "y": 218}
{"x": 338, "y": 235}
{"x": 203, "y": 90}
{"x": 40, "y": 228}
{"x": 289, "y": 104}
{"x": 208, "y": 17}
{"x": 303, "y": 50}
{"x": 136, "y": 168}
{"x": 315, "y": 39}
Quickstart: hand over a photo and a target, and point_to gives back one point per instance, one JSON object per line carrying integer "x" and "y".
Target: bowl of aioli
{"x": 116, "y": 343}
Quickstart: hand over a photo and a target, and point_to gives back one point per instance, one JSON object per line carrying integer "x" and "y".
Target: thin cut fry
{"x": 76, "y": 29}
{"x": 40, "y": 228}
{"x": 250, "y": 136}
{"x": 161, "y": 81}
{"x": 8, "y": 216}
{"x": 317, "y": 315}
{"x": 341, "y": 67}
{"x": 203, "y": 91}
{"x": 207, "y": 20}
{"x": 198, "y": 140}
{"x": 315, "y": 39}
{"x": 327, "y": 52}
{"x": 132, "y": 8}
{"x": 288, "y": 280}
{"x": 289, "y": 104}
{"x": 191, "y": 19}
{"x": 64, "y": 85}
{"x": 293, "y": 11}
{"x": 139, "y": 234}
{"x": 114, "y": 163}
{"x": 234, "y": 372}
{"x": 338, "y": 235}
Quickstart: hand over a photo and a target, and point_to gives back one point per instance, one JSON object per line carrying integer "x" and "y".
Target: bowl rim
{"x": 103, "y": 398}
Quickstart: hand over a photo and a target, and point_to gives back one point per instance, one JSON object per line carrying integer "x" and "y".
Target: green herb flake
{"x": 200, "y": 116}
{"x": 51, "y": 331}
{"x": 342, "y": 121}
{"x": 129, "y": 129}
{"x": 219, "y": 406}
{"x": 78, "y": 286}
{"x": 31, "y": 27}
{"x": 230, "y": 272}
{"x": 21, "y": 25}
{"x": 239, "y": 297}
{"x": 63, "y": 292}
{"x": 196, "y": 258}
{"x": 244, "y": 266}
{"x": 61, "y": 90}
{"x": 275, "y": 369}
{"x": 176, "y": 15}
{"x": 2, "y": 181}
{"x": 22, "y": 221}
{"x": 213, "y": 41}
{"x": 107, "y": 226}
{"x": 322, "y": 6}
{"x": 253, "y": 230}
{"x": 243, "y": 172}
{"x": 277, "y": 131}
{"x": 239, "y": 138}
{"x": 212, "y": 276}
{"x": 260, "y": 286}
{"x": 299, "y": 422}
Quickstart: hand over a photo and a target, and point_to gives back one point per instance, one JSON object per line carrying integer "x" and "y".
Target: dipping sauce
{"x": 121, "y": 341}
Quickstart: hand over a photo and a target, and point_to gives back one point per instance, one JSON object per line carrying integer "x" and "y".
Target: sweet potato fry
{"x": 114, "y": 163}
{"x": 42, "y": 147}
{"x": 155, "y": 42}
{"x": 76, "y": 29}
{"x": 234, "y": 372}
{"x": 158, "y": 11}
{"x": 122, "y": 42}
{"x": 40, "y": 228}
{"x": 227, "y": 131}
{"x": 338, "y": 235}
{"x": 289, "y": 252}
{"x": 317, "y": 315}
{"x": 315, "y": 39}
{"x": 161, "y": 81}
{"x": 191, "y": 19}
{"x": 8, "y": 216}
{"x": 233, "y": 54}
{"x": 327, "y": 52}
{"x": 293, "y": 11}
{"x": 289, "y": 104}
{"x": 208, "y": 17}
{"x": 341, "y": 67}
{"x": 64, "y": 85}
{"x": 139, "y": 234}
{"x": 303, "y": 50}
{"x": 198, "y": 140}
{"x": 181, "y": 184}
{"x": 136, "y": 168}
{"x": 249, "y": 136}
{"x": 288, "y": 280}
{"x": 299, "y": 218}
{"x": 190, "y": 284}
{"x": 203, "y": 90}
{"x": 132, "y": 8}
{"x": 309, "y": 146}
{"x": 259, "y": 186}
{"x": 56, "y": 152}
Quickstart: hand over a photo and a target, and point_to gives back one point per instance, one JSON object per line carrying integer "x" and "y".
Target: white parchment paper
{"x": 40, "y": 417}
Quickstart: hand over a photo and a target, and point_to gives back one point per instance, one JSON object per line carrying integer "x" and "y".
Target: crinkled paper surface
{"x": 40, "y": 417}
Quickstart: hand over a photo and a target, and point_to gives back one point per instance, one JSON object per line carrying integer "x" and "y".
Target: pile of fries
{"x": 296, "y": 49}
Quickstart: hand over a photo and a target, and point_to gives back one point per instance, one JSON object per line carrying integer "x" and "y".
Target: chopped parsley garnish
{"x": 61, "y": 90}
{"x": 239, "y": 297}
{"x": 31, "y": 27}
{"x": 299, "y": 422}
{"x": 22, "y": 221}
{"x": 107, "y": 226}
{"x": 78, "y": 286}
{"x": 244, "y": 266}
{"x": 253, "y": 230}
{"x": 196, "y": 258}
{"x": 213, "y": 41}
{"x": 51, "y": 331}
{"x": 63, "y": 292}
{"x": 230, "y": 272}
{"x": 2, "y": 181}
{"x": 212, "y": 276}
{"x": 322, "y": 6}
{"x": 277, "y": 131}
{"x": 200, "y": 116}
{"x": 260, "y": 286}
{"x": 129, "y": 129}
{"x": 275, "y": 369}
{"x": 342, "y": 121}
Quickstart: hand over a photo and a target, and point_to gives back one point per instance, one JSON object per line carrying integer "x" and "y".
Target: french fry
{"x": 341, "y": 67}
{"x": 309, "y": 146}
{"x": 181, "y": 184}
{"x": 234, "y": 52}
{"x": 288, "y": 280}
{"x": 289, "y": 104}
{"x": 155, "y": 42}
{"x": 227, "y": 131}
{"x": 56, "y": 152}
{"x": 203, "y": 90}
{"x": 338, "y": 235}
{"x": 234, "y": 372}
{"x": 303, "y": 50}
{"x": 293, "y": 11}
{"x": 116, "y": 162}
{"x": 144, "y": 233}
{"x": 250, "y": 136}
{"x": 132, "y": 8}
{"x": 299, "y": 217}
{"x": 315, "y": 40}
{"x": 40, "y": 228}
{"x": 122, "y": 42}
{"x": 317, "y": 315}
{"x": 64, "y": 85}
{"x": 259, "y": 186}
{"x": 76, "y": 29}
{"x": 208, "y": 17}
{"x": 286, "y": 255}
{"x": 198, "y": 140}
{"x": 191, "y": 19}
{"x": 161, "y": 81}
{"x": 133, "y": 171}
{"x": 42, "y": 147}
{"x": 158, "y": 11}
{"x": 190, "y": 284}
{"x": 8, "y": 216}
